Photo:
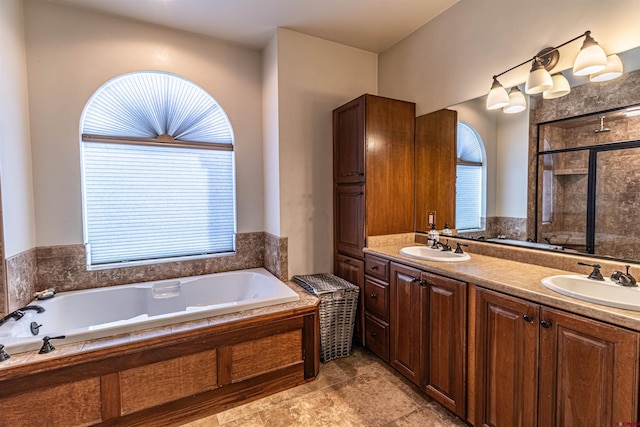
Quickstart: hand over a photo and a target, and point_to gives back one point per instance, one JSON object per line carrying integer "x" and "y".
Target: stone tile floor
{"x": 359, "y": 390}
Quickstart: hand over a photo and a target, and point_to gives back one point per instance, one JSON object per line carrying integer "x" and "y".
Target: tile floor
{"x": 359, "y": 390}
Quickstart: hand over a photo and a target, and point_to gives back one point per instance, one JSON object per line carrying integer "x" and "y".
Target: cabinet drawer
{"x": 377, "y": 336}
{"x": 376, "y": 298}
{"x": 377, "y": 267}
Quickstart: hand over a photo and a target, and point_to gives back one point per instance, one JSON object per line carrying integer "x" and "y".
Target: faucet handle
{"x": 595, "y": 274}
{"x": 3, "y": 354}
{"x": 459, "y": 248}
{"x": 47, "y": 347}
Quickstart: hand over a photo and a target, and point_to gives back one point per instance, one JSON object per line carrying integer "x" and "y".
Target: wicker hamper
{"x": 338, "y": 303}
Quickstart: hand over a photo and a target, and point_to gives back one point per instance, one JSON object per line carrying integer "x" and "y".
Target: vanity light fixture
{"x": 517, "y": 101}
{"x": 498, "y": 96}
{"x": 591, "y": 60}
{"x": 613, "y": 70}
{"x": 560, "y": 87}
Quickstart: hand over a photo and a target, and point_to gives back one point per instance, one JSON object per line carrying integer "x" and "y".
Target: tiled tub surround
{"x": 515, "y": 271}
{"x": 64, "y": 267}
{"x": 134, "y": 374}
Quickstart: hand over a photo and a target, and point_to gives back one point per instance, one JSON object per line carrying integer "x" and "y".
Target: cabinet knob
{"x": 423, "y": 283}
{"x": 374, "y": 296}
{"x": 373, "y": 334}
{"x": 347, "y": 261}
{"x": 415, "y": 279}
{"x": 374, "y": 267}
{"x": 527, "y": 318}
{"x": 545, "y": 324}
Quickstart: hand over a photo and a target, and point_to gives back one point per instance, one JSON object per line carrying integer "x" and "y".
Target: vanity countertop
{"x": 513, "y": 278}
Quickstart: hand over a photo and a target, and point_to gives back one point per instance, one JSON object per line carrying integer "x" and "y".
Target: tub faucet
{"x": 19, "y": 313}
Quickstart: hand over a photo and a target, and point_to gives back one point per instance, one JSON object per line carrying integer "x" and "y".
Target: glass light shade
{"x": 561, "y": 87}
{"x": 517, "y": 101}
{"x": 613, "y": 70}
{"x": 498, "y": 96}
{"x": 591, "y": 58}
{"x": 539, "y": 79}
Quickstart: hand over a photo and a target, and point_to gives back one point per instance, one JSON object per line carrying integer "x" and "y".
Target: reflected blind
{"x": 146, "y": 201}
{"x": 468, "y": 197}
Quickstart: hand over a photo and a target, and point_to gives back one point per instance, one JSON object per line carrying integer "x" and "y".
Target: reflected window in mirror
{"x": 470, "y": 181}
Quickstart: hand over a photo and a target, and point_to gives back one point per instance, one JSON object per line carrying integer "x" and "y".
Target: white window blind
{"x": 469, "y": 191}
{"x": 145, "y": 199}
{"x": 468, "y": 197}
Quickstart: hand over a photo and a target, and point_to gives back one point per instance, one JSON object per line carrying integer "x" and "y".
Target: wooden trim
{"x": 224, "y": 366}
{"x": 108, "y": 360}
{"x": 311, "y": 346}
{"x": 158, "y": 142}
{"x": 110, "y": 391}
{"x": 211, "y": 402}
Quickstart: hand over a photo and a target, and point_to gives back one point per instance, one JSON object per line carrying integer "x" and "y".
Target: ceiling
{"x": 372, "y": 25}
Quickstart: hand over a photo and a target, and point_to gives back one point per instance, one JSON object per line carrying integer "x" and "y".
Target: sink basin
{"x": 600, "y": 292}
{"x": 428, "y": 254}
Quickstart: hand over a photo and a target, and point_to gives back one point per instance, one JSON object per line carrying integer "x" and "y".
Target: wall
{"x": 452, "y": 58}
{"x": 15, "y": 146}
{"x": 18, "y": 238}
{"x": 72, "y": 52}
{"x": 314, "y": 77}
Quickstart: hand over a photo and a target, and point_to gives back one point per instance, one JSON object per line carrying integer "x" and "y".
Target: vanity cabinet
{"x": 428, "y": 333}
{"x": 376, "y": 306}
{"x": 540, "y": 366}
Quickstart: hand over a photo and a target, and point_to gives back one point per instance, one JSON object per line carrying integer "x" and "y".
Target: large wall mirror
{"x": 509, "y": 159}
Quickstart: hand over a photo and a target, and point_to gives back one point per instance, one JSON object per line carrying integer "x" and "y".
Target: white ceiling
{"x": 372, "y": 25}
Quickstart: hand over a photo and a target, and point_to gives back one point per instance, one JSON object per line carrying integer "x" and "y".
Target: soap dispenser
{"x": 446, "y": 231}
{"x": 433, "y": 234}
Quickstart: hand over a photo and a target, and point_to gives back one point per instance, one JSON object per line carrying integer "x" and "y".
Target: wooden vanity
{"x": 485, "y": 339}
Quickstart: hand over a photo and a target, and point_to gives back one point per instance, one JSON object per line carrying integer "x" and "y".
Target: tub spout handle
{"x": 3, "y": 354}
{"x": 47, "y": 347}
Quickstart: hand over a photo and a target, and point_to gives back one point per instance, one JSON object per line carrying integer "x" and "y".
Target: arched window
{"x": 469, "y": 178}
{"x": 158, "y": 171}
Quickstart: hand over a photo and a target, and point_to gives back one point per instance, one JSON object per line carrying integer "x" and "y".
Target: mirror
{"x": 509, "y": 140}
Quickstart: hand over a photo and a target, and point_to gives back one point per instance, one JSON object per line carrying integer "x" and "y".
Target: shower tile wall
{"x": 585, "y": 99}
{"x": 64, "y": 267}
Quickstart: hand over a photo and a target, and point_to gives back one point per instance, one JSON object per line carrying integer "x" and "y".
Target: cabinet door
{"x": 446, "y": 342}
{"x": 436, "y": 168}
{"x": 352, "y": 270}
{"x": 348, "y": 142}
{"x": 349, "y": 220}
{"x": 506, "y": 361}
{"x": 406, "y": 302}
{"x": 588, "y": 372}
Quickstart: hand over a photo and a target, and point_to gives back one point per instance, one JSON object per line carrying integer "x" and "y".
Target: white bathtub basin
{"x": 428, "y": 254}
{"x": 600, "y": 292}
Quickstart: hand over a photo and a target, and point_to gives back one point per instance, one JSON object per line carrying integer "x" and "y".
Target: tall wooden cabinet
{"x": 373, "y": 179}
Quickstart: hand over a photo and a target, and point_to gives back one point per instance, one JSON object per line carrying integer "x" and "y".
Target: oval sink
{"x": 428, "y": 254}
{"x": 600, "y": 292}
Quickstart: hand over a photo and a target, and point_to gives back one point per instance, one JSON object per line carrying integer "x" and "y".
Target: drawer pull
{"x": 373, "y": 334}
{"x": 374, "y": 267}
{"x": 374, "y": 296}
{"x": 423, "y": 283}
{"x": 545, "y": 324}
{"x": 347, "y": 261}
{"x": 527, "y": 318}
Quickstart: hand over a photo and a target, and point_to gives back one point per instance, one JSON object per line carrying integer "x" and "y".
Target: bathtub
{"x": 96, "y": 313}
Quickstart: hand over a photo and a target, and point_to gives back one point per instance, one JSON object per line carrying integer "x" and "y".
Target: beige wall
{"x": 72, "y": 52}
{"x": 15, "y": 147}
{"x": 452, "y": 58}
{"x": 314, "y": 77}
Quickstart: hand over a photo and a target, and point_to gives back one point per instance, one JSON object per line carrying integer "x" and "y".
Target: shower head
{"x": 602, "y": 128}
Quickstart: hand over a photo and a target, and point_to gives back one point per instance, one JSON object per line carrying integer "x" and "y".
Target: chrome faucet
{"x": 624, "y": 279}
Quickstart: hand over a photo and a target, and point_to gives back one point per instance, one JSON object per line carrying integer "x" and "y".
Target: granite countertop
{"x": 513, "y": 278}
